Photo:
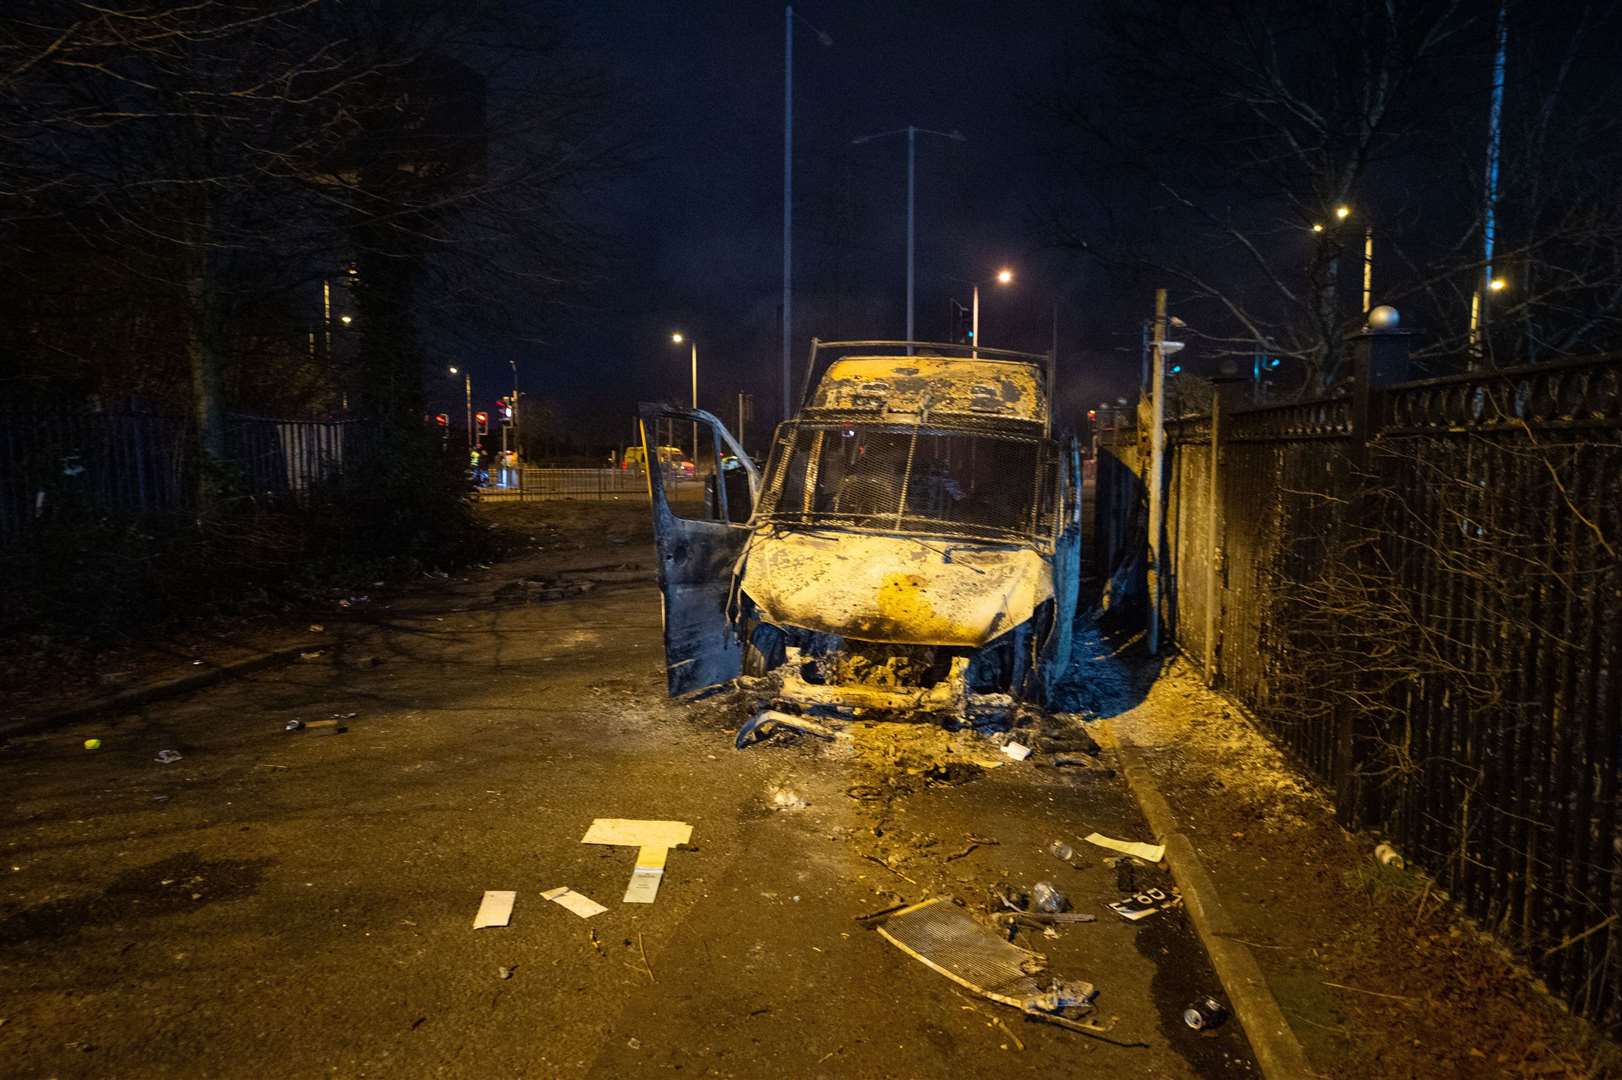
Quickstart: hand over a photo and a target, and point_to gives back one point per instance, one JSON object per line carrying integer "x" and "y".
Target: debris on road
{"x": 92, "y": 744}
{"x": 974, "y": 842}
{"x": 1040, "y": 919}
{"x": 1017, "y": 751}
{"x": 1387, "y": 855}
{"x": 1206, "y": 1014}
{"x": 783, "y": 797}
{"x": 1146, "y": 903}
{"x": 565, "y": 897}
{"x": 1149, "y": 853}
{"x": 314, "y": 654}
{"x": 317, "y": 628}
{"x": 653, "y": 841}
{"x": 1046, "y": 898}
{"x": 943, "y": 936}
{"x": 1063, "y": 852}
{"x": 496, "y": 909}
{"x": 763, "y": 723}
{"x": 506, "y": 972}
{"x": 167, "y": 757}
{"x": 333, "y": 726}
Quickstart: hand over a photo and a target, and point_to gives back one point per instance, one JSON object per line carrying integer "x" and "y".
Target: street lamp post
{"x": 788, "y": 183}
{"x": 467, "y": 377}
{"x": 912, "y": 132}
{"x": 1005, "y": 276}
{"x": 676, "y": 338}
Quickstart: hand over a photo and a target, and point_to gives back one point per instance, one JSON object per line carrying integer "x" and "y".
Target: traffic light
{"x": 442, "y": 420}
{"x": 482, "y": 419}
{"x": 504, "y": 411}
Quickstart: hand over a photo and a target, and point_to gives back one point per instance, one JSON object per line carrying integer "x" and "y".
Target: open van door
{"x": 1057, "y": 649}
{"x": 699, "y": 535}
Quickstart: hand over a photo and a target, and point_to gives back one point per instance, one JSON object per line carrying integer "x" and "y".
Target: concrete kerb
{"x": 142, "y": 695}
{"x": 1277, "y": 1050}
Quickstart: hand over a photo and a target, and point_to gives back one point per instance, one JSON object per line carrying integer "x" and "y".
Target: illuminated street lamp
{"x": 467, "y": 381}
{"x": 676, "y": 339}
{"x": 1005, "y": 276}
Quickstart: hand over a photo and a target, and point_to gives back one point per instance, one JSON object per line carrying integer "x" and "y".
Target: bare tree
{"x": 1214, "y": 146}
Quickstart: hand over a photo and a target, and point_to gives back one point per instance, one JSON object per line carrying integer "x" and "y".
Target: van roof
{"x": 912, "y": 385}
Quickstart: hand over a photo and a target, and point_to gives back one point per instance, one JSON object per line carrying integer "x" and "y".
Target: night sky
{"x": 692, "y": 238}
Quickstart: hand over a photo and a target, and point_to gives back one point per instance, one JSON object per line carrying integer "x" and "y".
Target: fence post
{"x": 1213, "y": 516}
{"x": 1157, "y": 456}
{"x": 1379, "y": 358}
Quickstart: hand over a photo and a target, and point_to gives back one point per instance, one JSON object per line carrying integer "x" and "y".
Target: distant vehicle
{"x": 672, "y": 457}
{"x": 913, "y": 545}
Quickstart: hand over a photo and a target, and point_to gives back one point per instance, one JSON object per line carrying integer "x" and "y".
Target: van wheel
{"x": 762, "y": 648}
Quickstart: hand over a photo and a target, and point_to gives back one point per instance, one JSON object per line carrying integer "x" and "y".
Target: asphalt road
{"x": 294, "y": 905}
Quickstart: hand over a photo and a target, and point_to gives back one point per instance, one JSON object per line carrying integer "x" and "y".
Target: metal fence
{"x": 1415, "y": 591}
{"x": 532, "y": 482}
{"x": 128, "y": 466}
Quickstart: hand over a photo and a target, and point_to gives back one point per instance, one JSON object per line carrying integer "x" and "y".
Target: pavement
{"x": 294, "y": 904}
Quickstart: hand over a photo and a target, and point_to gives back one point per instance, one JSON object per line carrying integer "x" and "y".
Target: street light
{"x": 676, "y": 339}
{"x": 912, "y": 134}
{"x": 467, "y": 379}
{"x": 788, "y": 182}
{"x": 1005, "y": 276}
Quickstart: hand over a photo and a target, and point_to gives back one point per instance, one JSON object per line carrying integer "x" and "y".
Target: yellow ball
{"x": 92, "y": 744}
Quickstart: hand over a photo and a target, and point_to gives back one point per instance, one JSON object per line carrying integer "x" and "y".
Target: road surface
{"x": 277, "y": 904}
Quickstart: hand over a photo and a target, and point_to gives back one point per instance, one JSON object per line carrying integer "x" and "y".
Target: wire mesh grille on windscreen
{"x": 897, "y": 478}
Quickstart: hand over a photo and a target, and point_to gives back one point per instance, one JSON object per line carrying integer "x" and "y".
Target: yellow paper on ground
{"x": 653, "y": 841}
{"x": 628, "y": 832}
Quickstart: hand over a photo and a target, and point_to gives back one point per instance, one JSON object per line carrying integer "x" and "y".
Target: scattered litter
{"x": 317, "y": 628}
{"x": 1205, "y": 1014}
{"x": 313, "y": 655}
{"x": 783, "y": 797}
{"x": 1007, "y": 897}
{"x": 1048, "y": 899}
{"x": 1063, "y": 852}
{"x": 334, "y": 726}
{"x": 653, "y": 839}
{"x": 1387, "y": 856}
{"x": 565, "y": 897}
{"x": 345, "y": 715}
{"x": 634, "y": 1043}
{"x": 496, "y": 909}
{"x": 644, "y": 951}
{"x": 763, "y": 723}
{"x": 974, "y": 842}
{"x": 196, "y": 663}
{"x": 1017, "y": 751}
{"x": 893, "y": 870}
{"x": 945, "y": 937}
{"x": 353, "y": 601}
{"x": 1146, "y": 903}
{"x": 167, "y": 757}
{"x": 1036, "y": 919}
{"x": 1080, "y": 761}
{"x": 92, "y": 744}
{"x": 1149, "y": 853}
{"x": 1126, "y": 875}
{"x": 507, "y": 972}
{"x": 872, "y": 919}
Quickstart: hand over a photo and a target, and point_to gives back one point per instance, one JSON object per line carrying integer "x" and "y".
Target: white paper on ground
{"x": 495, "y": 910}
{"x": 644, "y": 884}
{"x": 583, "y": 906}
{"x": 1151, "y": 853}
{"x": 1017, "y": 751}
